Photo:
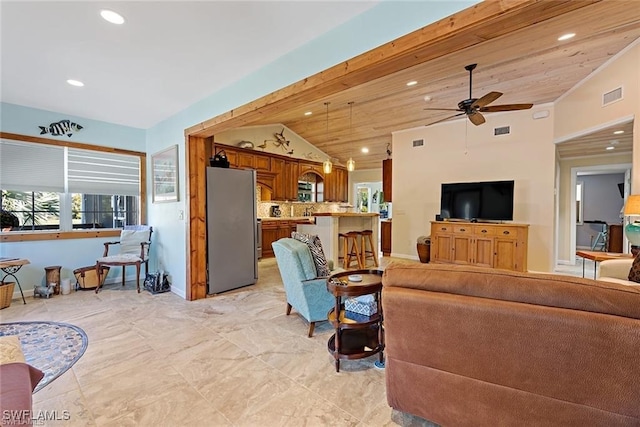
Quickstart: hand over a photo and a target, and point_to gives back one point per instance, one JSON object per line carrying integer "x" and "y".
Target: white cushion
{"x": 131, "y": 258}
{"x": 130, "y": 241}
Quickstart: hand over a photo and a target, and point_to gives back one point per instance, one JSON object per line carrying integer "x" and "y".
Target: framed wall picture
{"x": 164, "y": 170}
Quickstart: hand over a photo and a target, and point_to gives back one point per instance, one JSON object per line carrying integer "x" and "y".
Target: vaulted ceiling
{"x": 515, "y": 46}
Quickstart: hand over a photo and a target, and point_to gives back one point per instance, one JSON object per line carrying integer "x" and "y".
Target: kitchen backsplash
{"x": 295, "y": 209}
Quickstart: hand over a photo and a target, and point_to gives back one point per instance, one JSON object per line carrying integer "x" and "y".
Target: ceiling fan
{"x": 473, "y": 107}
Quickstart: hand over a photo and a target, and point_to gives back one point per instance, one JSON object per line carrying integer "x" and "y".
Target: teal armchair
{"x": 305, "y": 292}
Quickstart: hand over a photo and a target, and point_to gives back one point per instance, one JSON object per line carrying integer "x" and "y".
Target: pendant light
{"x": 351, "y": 164}
{"x": 327, "y": 166}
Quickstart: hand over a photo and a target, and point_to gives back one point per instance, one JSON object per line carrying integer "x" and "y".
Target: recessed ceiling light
{"x": 618, "y": 132}
{"x": 365, "y": 150}
{"x": 308, "y": 113}
{"x": 111, "y": 16}
{"x": 610, "y": 147}
{"x": 566, "y": 36}
{"x": 75, "y": 82}
{"x": 412, "y": 83}
{"x": 427, "y": 98}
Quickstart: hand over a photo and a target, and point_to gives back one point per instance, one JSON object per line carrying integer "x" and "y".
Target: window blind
{"x": 31, "y": 167}
{"x": 96, "y": 172}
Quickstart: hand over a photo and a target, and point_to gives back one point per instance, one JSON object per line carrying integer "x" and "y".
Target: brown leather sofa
{"x": 471, "y": 346}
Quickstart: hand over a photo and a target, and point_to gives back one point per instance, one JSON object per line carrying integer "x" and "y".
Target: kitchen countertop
{"x": 345, "y": 214}
{"x": 288, "y": 218}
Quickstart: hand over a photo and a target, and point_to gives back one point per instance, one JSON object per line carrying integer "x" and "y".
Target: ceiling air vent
{"x": 612, "y": 96}
{"x": 504, "y": 130}
{"x": 418, "y": 142}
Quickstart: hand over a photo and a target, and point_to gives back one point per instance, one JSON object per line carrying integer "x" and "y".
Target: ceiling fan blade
{"x": 476, "y": 118}
{"x": 446, "y": 118}
{"x": 443, "y": 109}
{"x": 487, "y": 99}
{"x": 506, "y": 107}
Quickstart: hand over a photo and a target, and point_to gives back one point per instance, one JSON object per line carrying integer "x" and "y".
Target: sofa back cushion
{"x": 551, "y": 290}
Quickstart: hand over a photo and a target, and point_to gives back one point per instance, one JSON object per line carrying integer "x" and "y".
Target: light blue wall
{"x": 25, "y": 121}
{"x": 378, "y": 25}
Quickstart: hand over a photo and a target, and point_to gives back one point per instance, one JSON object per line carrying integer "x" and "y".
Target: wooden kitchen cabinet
{"x": 385, "y": 237}
{"x": 501, "y": 246}
{"x": 387, "y": 166}
{"x": 291, "y": 174}
{"x": 306, "y": 167}
{"x": 279, "y": 182}
{"x": 337, "y": 185}
{"x": 273, "y": 230}
{"x": 280, "y": 174}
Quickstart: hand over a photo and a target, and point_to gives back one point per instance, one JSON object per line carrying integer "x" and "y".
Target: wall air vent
{"x": 418, "y": 142}
{"x": 504, "y": 130}
{"x": 612, "y": 96}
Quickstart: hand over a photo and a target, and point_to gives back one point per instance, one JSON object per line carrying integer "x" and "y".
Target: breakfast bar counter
{"x": 329, "y": 224}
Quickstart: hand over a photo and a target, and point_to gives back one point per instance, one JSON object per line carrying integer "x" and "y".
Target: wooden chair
{"x": 350, "y": 249}
{"x": 135, "y": 243}
{"x": 368, "y": 251}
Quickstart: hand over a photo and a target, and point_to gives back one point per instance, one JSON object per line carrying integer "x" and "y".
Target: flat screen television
{"x": 490, "y": 201}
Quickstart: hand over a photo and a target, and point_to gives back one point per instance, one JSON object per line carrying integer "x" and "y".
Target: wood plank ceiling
{"x": 514, "y": 44}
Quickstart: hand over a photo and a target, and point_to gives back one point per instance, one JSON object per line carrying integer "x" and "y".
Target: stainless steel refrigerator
{"x": 231, "y": 229}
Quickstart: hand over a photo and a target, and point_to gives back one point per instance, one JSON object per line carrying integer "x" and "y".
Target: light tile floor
{"x": 231, "y": 360}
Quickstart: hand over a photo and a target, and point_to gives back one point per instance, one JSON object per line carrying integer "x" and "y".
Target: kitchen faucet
{"x": 308, "y": 210}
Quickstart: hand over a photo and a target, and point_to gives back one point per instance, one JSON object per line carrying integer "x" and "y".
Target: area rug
{"x": 51, "y": 347}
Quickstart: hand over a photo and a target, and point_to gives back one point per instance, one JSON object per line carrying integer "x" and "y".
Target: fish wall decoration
{"x": 63, "y": 127}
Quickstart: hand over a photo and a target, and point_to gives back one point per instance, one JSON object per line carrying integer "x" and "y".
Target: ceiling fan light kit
{"x": 474, "y": 107}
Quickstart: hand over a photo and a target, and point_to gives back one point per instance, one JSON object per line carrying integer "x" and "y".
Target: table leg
{"x": 8, "y": 273}
{"x": 583, "y": 261}
{"x": 595, "y": 269}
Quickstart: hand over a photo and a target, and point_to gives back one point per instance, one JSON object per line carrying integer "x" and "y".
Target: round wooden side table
{"x": 357, "y": 335}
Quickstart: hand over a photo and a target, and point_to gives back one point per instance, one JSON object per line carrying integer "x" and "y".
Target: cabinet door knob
{"x": 505, "y": 232}
{"x": 462, "y": 229}
{"x": 443, "y": 229}
{"x": 484, "y": 231}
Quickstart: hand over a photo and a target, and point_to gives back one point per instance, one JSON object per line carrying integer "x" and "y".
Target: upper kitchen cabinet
{"x": 250, "y": 160}
{"x": 279, "y": 175}
{"x": 306, "y": 167}
{"x": 336, "y": 185}
{"x": 386, "y": 179}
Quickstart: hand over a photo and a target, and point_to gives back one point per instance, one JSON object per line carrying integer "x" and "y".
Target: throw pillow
{"x": 634, "y": 272}
{"x": 313, "y": 241}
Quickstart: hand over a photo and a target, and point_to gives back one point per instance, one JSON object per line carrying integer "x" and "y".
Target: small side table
{"x": 10, "y": 268}
{"x": 355, "y": 339}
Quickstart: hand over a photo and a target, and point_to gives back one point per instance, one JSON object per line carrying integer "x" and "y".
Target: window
{"x": 35, "y": 210}
{"x": 70, "y": 185}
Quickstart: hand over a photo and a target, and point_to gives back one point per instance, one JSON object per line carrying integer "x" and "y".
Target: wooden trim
{"x": 28, "y": 236}
{"x": 79, "y": 145}
{"x": 197, "y": 156}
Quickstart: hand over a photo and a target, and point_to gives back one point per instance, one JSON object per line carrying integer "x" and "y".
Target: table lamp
{"x": 632, "y": 208}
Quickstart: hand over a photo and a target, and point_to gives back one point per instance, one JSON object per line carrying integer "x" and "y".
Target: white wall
{"x": 580, "y": 111}
{"x": 458, "y": 151}
{"x": 260, "y": 135}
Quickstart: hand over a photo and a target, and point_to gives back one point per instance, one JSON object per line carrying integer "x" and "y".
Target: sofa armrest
{"x": 616, "y": 268}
